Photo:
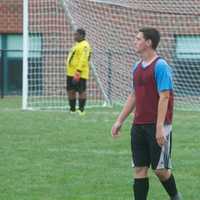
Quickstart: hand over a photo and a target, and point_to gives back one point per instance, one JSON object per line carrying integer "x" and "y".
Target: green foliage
{"x": 58, "y": 156}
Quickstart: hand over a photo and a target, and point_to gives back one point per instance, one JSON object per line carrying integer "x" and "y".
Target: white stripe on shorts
{"x": 165, "y": 158}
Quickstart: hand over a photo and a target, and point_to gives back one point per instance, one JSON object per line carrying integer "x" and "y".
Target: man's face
{"x": 140, "y": 43}
{"x": 77, "y": 37}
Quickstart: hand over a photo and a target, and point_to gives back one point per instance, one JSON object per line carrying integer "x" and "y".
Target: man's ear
{"x": 149, "y": 43}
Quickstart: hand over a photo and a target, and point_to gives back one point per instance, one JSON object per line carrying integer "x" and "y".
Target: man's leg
{"x": 71, "y": 93}
{"x": 162, "y": 168}
{"x": 82, "y": 101}
{"x": 141, "y": 160}
{"x": 141, "y": 183}
{"x": 72, "y": 100}
{"x": 167, "y": 179}
{"x": 82, "y": 95}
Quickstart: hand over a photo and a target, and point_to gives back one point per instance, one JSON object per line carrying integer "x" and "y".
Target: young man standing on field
{"x": 77, "y": 69}
{"x": 152, "y": 104}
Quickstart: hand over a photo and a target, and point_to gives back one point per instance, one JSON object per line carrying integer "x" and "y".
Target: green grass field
{"x": 58, "y": 156}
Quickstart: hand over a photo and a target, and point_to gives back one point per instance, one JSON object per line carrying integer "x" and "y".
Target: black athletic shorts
{"x": 145, "y": 149}
{"x": 79, "y": 86}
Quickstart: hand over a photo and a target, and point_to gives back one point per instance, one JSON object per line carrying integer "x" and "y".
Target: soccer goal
{"x": 111, "y": 26}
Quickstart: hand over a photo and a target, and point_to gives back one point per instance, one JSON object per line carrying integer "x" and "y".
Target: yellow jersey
{"x": 78, "y": 59}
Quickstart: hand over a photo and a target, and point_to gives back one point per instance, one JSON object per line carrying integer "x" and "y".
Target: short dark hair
{"x": 151, "y": 34}
{"x": 82, "y": 32}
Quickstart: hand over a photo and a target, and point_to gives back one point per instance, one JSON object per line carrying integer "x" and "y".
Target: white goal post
{"x": 111, "y": 26}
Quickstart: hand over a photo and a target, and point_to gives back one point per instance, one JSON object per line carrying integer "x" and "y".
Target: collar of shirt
{"x": 145, "y": 64}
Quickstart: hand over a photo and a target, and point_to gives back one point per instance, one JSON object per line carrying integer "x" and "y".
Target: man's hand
{"x": 116, "y": 129}
{"x": 77, "y": 77}
{"x": 160, "y": 135}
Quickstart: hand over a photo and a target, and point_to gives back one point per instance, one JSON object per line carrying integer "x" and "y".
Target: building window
{"x": 188, "y": 47}
{"x": 0, "y": 43}
{"x": 186, "y": 66}
{"x": 14, "y": 46}
{"x": 11, "y": 60}
{"x": 35, "y": 45}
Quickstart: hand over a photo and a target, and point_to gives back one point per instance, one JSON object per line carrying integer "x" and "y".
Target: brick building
{"x": 11, "y": 16}
{"x": 111, "y": 30}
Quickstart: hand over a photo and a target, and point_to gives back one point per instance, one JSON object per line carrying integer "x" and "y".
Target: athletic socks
{"x": 72, "y": 104}
{"x": 82, "y": 104}
{"x": 170, "y": 186}
{"x": 141, "y": 188}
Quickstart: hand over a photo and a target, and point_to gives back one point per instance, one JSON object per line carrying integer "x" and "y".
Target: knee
{"x": 163, "y": 174}
{"x": 82, "y": 95}
{"x": 141, "y": 172}
{"x": 71, "y": 94}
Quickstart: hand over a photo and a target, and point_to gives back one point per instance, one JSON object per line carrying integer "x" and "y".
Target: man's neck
{"x": 80, "y": 40}
{"x": 149, "y": 56}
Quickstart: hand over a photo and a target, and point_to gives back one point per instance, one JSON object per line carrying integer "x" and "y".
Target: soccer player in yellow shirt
{"x": 77, "y": 70}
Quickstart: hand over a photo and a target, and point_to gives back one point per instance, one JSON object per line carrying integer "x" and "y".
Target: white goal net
{"x": 111, "y": 26}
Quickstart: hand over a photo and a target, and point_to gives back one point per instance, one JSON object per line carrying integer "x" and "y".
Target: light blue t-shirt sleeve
{"x": 134, "y": 66}
{"x": 163, "y": 76}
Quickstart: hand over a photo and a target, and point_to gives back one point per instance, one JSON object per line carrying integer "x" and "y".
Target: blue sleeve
{"x": 134, "y": 67}
{"x": 163, "y": 76}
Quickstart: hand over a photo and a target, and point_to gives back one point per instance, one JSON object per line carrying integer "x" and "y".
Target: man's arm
{"x": 162, "y": 110}
{"x": 127, "y": 109}
{"x": 163, "y": 75}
